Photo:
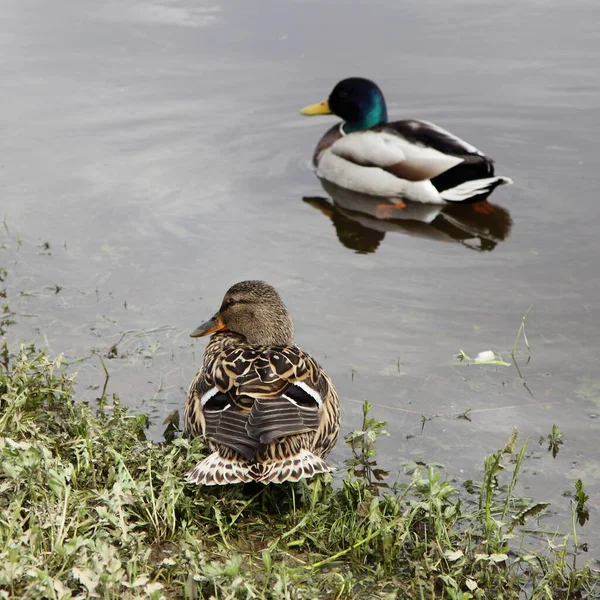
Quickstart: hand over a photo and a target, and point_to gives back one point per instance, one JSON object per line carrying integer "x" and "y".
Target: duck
{"x": 409, "y": 159}
{"x": 267, "y": 411}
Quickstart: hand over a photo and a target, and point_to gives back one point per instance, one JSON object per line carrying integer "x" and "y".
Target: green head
{"x": 356, "y": 100}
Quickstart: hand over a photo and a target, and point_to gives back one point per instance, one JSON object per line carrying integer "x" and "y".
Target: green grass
{"x": 90, "y": 509}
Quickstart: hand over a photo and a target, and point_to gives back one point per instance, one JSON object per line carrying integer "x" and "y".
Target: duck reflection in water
{"x": 361, "y": 221}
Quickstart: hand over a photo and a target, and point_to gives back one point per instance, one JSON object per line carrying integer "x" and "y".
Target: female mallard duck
{"x": 267, "y": 410}
{"x": 414, "y": 160}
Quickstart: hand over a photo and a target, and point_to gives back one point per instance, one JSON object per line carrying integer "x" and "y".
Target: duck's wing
{"x": 433, "y": 136}
{"x": 253, "y": 396}
{"x": 411, "y": 150}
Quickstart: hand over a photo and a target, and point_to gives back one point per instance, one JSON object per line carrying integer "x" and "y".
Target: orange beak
{"x": 211, "y": 326}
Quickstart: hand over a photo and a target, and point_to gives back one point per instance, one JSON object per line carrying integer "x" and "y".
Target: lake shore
{"x": 91, "y": 508}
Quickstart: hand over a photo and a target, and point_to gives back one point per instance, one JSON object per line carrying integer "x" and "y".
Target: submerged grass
{"x": 90, "y": 509}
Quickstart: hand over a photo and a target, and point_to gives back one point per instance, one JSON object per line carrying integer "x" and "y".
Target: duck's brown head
{"x": 254, "y": 310}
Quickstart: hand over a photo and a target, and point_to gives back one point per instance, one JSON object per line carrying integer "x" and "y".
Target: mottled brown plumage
{"x": 267, "y": 410}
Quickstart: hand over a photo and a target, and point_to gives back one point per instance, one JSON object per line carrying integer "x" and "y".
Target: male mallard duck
{"x": 410, "y": 159}
{"x": 267, "y": 410}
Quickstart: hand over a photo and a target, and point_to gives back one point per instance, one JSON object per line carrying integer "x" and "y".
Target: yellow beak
{"x": 322, "y": 108}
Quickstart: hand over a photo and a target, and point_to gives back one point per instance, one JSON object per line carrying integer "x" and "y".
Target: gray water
{"x": 158, "y": 149}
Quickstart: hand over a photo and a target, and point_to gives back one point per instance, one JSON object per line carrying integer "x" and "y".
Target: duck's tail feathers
{"x": 217, "y": 470}
{"x": 471, "y": 190}
{"x": 300, "y": 466}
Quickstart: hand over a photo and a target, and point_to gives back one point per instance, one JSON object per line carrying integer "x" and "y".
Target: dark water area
{"x": 158, "y": 149}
